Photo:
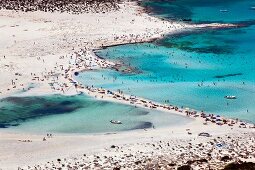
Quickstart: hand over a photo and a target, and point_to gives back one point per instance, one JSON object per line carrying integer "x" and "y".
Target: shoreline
{"x": 169, "y": 28}
{"x": 119, "y": 97}
{"x": 194, "y": 126}
{"x": 59, "y": 71}
{"x": 39, "y": 152}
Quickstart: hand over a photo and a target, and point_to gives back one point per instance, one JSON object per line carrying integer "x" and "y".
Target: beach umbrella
{"x": 76, "y": 73}
{"x": 196, "y": 115}
{"x": 207, "y": 119}
{"x": 218, "y": 119}
{"x": 219, "y": 145}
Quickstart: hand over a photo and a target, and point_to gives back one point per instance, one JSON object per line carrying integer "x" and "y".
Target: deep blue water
{"x": 194, "y": 70}
{"x": 203, "y": 11}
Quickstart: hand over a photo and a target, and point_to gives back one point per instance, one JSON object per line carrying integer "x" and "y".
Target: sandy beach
{"x": 39, "y": 54}
{"x": 30, "y": 41}
{"x": 144, "y": 145}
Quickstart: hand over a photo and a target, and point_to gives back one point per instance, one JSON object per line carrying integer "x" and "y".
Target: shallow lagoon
{"x": 78, "y": 114}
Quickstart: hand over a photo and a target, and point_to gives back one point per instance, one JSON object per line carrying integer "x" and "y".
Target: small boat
{"x": 116, "y": 122}
{"x": 230, "y": 97}
{"x": 223, "y": 10}
{"x": 205, "y": 134}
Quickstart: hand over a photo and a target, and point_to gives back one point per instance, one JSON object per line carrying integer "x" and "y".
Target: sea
{"x": 193, "y": 70}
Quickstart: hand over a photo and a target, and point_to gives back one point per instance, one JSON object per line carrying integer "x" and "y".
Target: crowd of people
{"x": 87, "y": 60}
{"x": 70, "y": 6}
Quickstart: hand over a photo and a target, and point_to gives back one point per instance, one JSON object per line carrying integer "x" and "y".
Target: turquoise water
{"x": 77, "y": 114}
{"x": 194, "y": 70}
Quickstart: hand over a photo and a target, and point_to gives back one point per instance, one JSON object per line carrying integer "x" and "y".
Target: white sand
{"x": 15, "y": 153}
{"x": 27, "y": 36}
{"x": 34, "y": 43}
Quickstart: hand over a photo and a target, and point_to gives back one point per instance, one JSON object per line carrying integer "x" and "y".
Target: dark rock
{"x": 138, "y": 162}
{"x": 202, "y": 160}
{"x": 74, "y": 6}
{"x": 240, "y": 166}
{"x": 171, "y": 164}
{"x": 184, "y": 167}
{"x": 113, "y": 146}
{"x": 225, "y": 158}
{"x": 190, "y": 162}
